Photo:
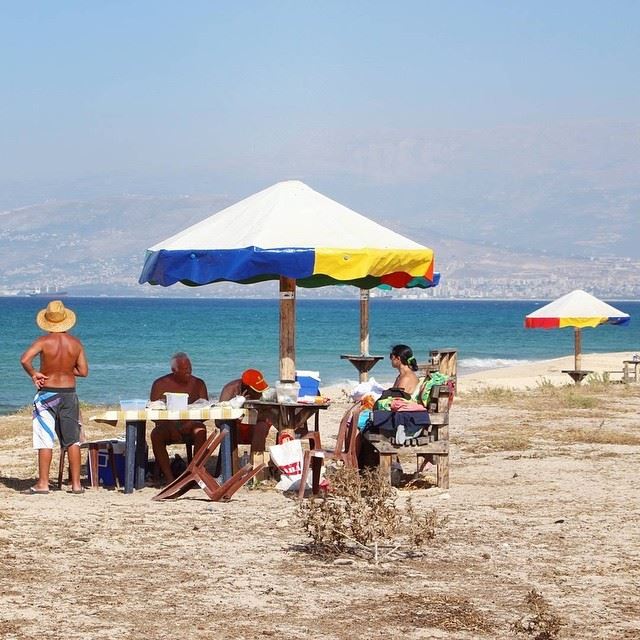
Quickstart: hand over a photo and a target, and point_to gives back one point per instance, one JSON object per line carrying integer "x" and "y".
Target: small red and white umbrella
{"x": 577, "y": 309}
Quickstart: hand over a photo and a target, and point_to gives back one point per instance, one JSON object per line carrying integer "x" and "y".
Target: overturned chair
{"x": 197, "y": 474}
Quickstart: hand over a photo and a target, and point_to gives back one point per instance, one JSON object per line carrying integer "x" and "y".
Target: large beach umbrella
{"x": 577, "y": 309}
{"x": 293, "y": 234}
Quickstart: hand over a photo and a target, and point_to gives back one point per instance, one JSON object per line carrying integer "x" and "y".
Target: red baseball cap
{"x": 254, "y": 379}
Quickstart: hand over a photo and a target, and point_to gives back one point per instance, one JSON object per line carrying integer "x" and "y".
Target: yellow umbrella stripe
{"x": 581, "y": 322}
{"x": 347, "y": 264}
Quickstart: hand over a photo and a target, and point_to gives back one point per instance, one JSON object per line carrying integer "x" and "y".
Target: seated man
{"x": 250, "y": 384}
{"x": 180, "y": 380}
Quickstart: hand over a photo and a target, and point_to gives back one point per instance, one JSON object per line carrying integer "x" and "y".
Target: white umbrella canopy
{"x": 576, "y": 309}
{"x": 291, "y": 233}
{"x": 287, "y": 214}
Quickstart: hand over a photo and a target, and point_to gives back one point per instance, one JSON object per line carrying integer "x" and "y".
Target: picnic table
{"x": 135, "y": 432}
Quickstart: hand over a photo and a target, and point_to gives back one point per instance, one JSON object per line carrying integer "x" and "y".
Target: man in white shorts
{"x": 55, "y": 406}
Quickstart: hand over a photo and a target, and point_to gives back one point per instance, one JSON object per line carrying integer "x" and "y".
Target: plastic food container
{"x": 177, "y": 401}
{"x": 137, "y": 404}
{"x": 287, "y": 392}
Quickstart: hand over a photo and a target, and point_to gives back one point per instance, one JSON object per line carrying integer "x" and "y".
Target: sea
{"x": 129, "y": 341}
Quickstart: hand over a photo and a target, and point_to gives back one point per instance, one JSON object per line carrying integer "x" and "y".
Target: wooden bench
{"x": 434, "y": 444}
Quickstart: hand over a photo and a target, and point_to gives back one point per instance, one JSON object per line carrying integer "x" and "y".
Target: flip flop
{"x": 76, "y": 492}
{"x": 31, "y": 491}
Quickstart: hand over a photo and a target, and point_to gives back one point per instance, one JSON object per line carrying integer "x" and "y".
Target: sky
{"x": 376, "y": 102}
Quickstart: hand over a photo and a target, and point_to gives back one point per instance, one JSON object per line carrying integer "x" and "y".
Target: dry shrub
{"x": 540, "y": 622}
{"x": 359, "y": 515}
{"x": 440, "y": 611}
{"x": 506, "y": 442}
{"x": 490, "y": 395}
{"x": 594, "y": 436}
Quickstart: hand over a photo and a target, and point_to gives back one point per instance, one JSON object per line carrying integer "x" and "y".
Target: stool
{"x": 92, "y": 462}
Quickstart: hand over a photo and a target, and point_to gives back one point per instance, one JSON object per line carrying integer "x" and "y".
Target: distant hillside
{"x": 97, "y": 247}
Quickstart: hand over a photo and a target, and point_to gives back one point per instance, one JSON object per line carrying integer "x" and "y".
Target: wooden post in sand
{"x": 287, "y": 328}
{"x": 364, "y": 329}
{"x": 577, "y": 334}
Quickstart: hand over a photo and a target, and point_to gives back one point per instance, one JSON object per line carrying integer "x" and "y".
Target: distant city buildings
{"x": 607, "y": 277}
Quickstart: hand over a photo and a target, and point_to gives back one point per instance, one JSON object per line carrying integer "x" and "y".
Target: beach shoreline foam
{"x": 529, "y": 375}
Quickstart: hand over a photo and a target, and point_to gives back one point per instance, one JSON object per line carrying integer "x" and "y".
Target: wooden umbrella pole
{"x": 364, "y": 322}
{"x": 364, "y": 329}
{"x": 577, "y": 334}
{"x": 287, "y": 328}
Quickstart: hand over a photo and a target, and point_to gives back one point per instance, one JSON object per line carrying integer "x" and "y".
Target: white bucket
{"x": 177, "y": 401}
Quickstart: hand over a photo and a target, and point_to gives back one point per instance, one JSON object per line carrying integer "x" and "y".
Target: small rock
{"x": 343, "y": 561}
{"x": 282, "y": 524}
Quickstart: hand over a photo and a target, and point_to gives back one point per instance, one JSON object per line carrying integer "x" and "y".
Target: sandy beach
{"x": 534, "y": 375}
{"x": 545, "y": 495}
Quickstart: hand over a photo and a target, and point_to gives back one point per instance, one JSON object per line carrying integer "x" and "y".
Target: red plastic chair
{"x": 196, "y": 474}
{"x": 344, "y": 451}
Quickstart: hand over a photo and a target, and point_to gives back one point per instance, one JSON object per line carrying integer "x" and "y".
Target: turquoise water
{"x": 129, "y": 341}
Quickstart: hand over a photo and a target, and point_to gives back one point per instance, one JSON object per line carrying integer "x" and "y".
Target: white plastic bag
{"x": 370, "y": 387}
{"x": 288, "y": 457}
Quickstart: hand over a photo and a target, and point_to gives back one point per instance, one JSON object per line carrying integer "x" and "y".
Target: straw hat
{"x": 55, "y": 318}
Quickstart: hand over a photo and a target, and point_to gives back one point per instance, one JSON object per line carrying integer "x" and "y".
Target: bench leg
{"x": 442, "y": 471}
{"x": 385, "y": 465}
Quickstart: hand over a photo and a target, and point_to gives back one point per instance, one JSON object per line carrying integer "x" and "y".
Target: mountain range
{"x": 97, "y": 246}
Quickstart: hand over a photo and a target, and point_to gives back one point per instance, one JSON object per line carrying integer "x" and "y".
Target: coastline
{"x": 526, "y": 376}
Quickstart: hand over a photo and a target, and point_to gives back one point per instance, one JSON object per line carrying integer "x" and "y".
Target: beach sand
{"x": 545, "y": 494}
{"x": 532, "y": 375}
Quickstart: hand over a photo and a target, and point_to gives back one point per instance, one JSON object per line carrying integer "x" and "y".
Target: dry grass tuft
{"x": 506, "y": 442}
{"x": 491, "y": 395}
{"x": 540, "y": 622}
{"x": 446, "y": 612}
{"x": 594, "y": 436}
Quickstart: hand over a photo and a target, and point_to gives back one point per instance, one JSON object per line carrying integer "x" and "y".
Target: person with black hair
{"x": 403, "y": 360}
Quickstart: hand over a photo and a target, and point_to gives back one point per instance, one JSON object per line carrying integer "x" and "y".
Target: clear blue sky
{"x": 250, "y": 92}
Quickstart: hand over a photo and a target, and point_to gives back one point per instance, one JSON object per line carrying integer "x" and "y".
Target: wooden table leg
{"x": 94, "y": 478}
{"x": 257, "y": 458}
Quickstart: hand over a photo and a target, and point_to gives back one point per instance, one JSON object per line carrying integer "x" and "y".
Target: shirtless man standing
{"x": 55, "y": 407}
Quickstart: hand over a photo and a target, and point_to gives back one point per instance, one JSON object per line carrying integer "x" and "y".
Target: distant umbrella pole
{"x": 577, "y": 337}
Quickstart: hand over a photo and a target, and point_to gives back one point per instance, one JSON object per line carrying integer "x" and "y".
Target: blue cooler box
{"x": 309, "y": 383}
{"x": 105, "y": 477}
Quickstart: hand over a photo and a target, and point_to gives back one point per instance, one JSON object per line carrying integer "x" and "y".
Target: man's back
{"x": 61, "y": 359}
